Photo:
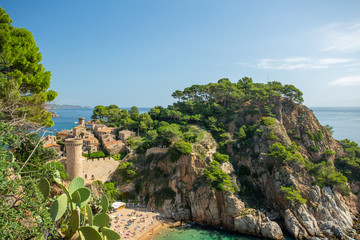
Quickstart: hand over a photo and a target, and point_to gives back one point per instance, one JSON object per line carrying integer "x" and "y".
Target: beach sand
{"x": 136, "y": 224}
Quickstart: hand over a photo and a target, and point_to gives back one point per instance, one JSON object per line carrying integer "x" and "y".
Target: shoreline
{"x": 154, "y": 231}
{"x": 136, "y": 224}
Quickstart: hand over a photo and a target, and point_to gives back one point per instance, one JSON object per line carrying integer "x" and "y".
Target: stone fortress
{"x": 90, "y": 169}
{"x": 88, "y": 140}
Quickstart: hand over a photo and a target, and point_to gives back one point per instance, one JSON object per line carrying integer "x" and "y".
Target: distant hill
{"x": 64, "y": 106}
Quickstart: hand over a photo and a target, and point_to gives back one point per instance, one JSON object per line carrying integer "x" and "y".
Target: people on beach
{"x": 131, "y": 224}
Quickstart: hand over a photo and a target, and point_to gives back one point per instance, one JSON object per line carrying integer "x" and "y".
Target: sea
{"x": 345, "y": 123}
{"x": 344, "y": 120}
{"x": 68, "y": 118}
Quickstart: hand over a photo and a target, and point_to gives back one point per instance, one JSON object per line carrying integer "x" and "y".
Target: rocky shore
{"x": 182, "y": 194}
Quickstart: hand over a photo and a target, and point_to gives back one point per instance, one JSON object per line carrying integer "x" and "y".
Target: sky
{"x": 137, "y": 53}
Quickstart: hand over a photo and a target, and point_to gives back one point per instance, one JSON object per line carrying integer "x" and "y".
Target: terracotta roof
{"x": 126, "y": 131}
{"x": 109, "y": 144}
{"x": 51, "y": 144}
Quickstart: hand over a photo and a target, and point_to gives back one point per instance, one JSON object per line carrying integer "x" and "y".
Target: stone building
{"x": 54, "y": 146}
{"x": 115, "y": 147}
{"x": 101, "y": 129}
{"x": 63, "y": 134}
{"x": 49, "y": 139}
{"x": 76, "y": 131}
{"x": 90, "y": 169}
{"x": 91, "y": 144}
{"x": 125, "y": 134}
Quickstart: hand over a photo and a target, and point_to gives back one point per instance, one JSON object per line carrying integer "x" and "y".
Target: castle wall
{"x": 155, "y": 150}
{"x": 99, "y": 169}
{"x": 74, "y": 157}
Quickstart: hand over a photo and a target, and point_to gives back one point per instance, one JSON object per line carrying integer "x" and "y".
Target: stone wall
{"x": 99, "y": 168}
{"x": 156, "y": 150}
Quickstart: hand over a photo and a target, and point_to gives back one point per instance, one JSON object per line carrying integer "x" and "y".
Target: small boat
{"x": 76, "y": 122}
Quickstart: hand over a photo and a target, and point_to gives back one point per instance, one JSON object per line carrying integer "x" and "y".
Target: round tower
{"x": 82, "y": 121}
{"x": 74, "y": 157}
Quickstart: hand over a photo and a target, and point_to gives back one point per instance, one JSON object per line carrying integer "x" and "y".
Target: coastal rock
{"x": 54, "y": 115}
{"x": 208, "y": 206}
{"x": 180, "y": 191}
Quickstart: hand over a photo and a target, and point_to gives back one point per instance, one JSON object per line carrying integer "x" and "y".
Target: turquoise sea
{"x": 197, "y": 233}
{"x": 345, "y": 123}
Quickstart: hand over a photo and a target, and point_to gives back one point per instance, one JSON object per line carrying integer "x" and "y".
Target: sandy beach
{"x": 133, "y": 224}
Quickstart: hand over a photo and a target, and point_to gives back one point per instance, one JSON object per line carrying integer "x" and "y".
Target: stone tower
{"x": 82, "y": 121}
{"x": 74, "y": 157}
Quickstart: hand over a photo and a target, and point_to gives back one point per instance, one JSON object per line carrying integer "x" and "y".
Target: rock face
{"x": 181, "y": 192}
{"x": 204, "y": 205}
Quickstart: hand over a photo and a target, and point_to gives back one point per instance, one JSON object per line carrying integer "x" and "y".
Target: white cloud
{"x": 329, "y": 61}
{"x": 341, "y": 37}
{"x": 297, "y": 63}
{"x": 347, "y": 81}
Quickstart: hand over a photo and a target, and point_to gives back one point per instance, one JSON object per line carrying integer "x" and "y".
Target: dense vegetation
{"x": 26, "y": 175}
{"x": 349, "y": 165}
{"x": 24, "y": 82}
{"x": 212, "y": 107}
{"x": 24, "y": 87}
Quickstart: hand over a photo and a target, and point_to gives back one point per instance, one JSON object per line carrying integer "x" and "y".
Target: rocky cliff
{"x": 281, "y": 174}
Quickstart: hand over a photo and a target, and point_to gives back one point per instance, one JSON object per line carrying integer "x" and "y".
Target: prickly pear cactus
{"x": 82, "y": 224}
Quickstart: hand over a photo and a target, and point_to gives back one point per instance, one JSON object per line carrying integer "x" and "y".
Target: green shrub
{"x": 329, "y": 152}
{"x": 109, "y": 190}
{"x": 349, "y": 164}
{"x": 326, "y": 175}
{"x": 317, "y": 137}
{"x": 268, "y": 110}
{"x": 271, "y": 135}
{"x": 98, "y": 154}
{"x": 127, "y": 172}
{"x": 217, "y": 177}
{"x": 179, "y": 148}
{"x": 293, "y": 196}
{"x": 267, "y": 121}
{"x": 281, "y": 154}
{"x": 58, "y": 166}
{"x": 113, "y": 193}
{"x": 329, "y": 128}
{"x": 135, "y": 142}
{"x": 192, "y": 134}
{"x": 314, "y": 148}
{"x": 241, "y": 134}
{"x": 310, "y": 135}
{"x": 221, "y": 158}
{"x": 118, "y": 156}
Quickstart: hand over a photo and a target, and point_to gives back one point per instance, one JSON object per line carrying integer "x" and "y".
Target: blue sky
{"x": 138, "y": 52}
